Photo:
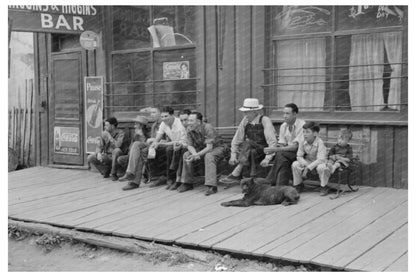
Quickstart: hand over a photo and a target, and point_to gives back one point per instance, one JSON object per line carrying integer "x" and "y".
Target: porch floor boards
{"x": 365, "y": 231}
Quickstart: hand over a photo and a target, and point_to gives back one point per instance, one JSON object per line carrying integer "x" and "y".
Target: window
{"x": 352, "y": 64}
{"x": 153, "y": 58}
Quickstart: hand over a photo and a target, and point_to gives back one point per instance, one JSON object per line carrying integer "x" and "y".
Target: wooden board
{"x": 384, "y": 253}
{"x": 351, "y": 225}
{"x": 290, "y": 218}
{"x": 401, "y": 264}
{"x": 298, "y": 236}
{"x": 353, "y": 247}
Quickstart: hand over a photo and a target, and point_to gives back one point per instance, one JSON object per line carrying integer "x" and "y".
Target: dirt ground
{"x": 28, "y": 252}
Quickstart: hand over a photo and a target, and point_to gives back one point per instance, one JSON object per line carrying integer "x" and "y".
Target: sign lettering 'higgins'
{"x": 44, "y": 18}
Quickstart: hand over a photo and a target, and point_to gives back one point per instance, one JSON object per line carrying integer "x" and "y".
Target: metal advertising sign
{"x": 53, "y": 18}
{"x": 176, "y": 70}
{"x": 66, "y": 140}
{"x": 93, "y": 92}
{"x": 89, "y": 40}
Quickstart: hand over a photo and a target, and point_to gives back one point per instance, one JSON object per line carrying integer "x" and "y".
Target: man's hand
{"x": 264, "y": 163}
{"x": 177, "y": 146}
{"x": 99, "y": 157}
{"x": 270, "y": 150}
{"x": 305, "y": 172}
{"x": 150, "y": 140}
{"x": 154, "y": 145}
{"x": 233, "y": 160}
{"x": 193, "y": 157}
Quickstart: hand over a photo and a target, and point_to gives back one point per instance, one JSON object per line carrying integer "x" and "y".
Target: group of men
{"x": 171, "y": 150}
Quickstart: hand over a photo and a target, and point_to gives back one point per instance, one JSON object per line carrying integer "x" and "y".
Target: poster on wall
{"x": 66, "y": 140}
{"x": 93, "y": 93}
{"x": 176, "y": 70}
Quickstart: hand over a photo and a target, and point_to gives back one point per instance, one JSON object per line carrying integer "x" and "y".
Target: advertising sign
{"x": 93, "y": 91}
{"x": 53, "y": 18}
{"x": 176, "y": 70}
{"x": 66, "y": 140}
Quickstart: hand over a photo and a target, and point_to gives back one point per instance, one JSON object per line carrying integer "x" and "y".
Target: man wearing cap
{"x": 111, "y": 145}
{"x": 137, "y": 155}
{"x": 290, "y": 136}
{"x": 254, "y": 133}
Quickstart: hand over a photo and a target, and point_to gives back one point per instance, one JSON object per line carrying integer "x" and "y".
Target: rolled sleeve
{"x": 238, "y": 136}
{"x": 282, "y": 132}
{"x": 270, "y": 135}
{"x": 119, "y": 140}
{"x": 210, "y": 134}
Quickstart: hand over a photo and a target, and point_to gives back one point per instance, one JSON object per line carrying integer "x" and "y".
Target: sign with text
{"x": 93, "y": 92}
{"x": 176, "y": 70}
{"x": 51, "y": 18}
{"x": 66, "y": 140}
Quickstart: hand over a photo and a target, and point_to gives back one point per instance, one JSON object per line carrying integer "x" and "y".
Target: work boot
{"x": 159, "y": 182}
{"x": 299, "y": 188}
{"x": 184, "y": 187}
{"x": 130, "y": 185}
{"x": 174, "y": 186}
{"x": 230, "y": 179}
{"x": 211, "y": 190}
{"x": 324, "y": 191}
{"x": 114, "y": 177}
{"x": 127, "y": 177}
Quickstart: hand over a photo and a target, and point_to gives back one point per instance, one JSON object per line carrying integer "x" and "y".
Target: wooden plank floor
{"x": 362, "y": 231}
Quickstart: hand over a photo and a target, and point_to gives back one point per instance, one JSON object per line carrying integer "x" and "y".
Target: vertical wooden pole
{"x": 31, "y": 109}
{"x": 18, "y": 125}
{"x": 24, "y": 124}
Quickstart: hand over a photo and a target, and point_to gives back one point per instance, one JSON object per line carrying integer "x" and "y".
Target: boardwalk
{"x": 364, "y": 231}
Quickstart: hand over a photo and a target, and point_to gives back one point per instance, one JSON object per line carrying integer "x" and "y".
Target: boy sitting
{"x": 341, "y": 153}
{"x": 311, "y": 154}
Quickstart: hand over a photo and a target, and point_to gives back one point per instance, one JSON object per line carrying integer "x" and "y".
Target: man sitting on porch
{"x": 254, "y": 133}
{"x": 112, "y": 144}
{"x": 203, "y": 143}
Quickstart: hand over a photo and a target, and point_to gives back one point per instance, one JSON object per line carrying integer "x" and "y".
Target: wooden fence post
{"x": 30, "y": 121}
{"x": 24, "y": 125}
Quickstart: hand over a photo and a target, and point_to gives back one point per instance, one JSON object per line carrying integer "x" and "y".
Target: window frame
{"x": 330, "y": 114}
{"x": 109, "y": 108}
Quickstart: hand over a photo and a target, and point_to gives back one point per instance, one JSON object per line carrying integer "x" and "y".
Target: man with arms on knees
{"x": 183, "y": 116}
{"x": 111, "y": 145}
{"x": 254, "y": 133}
{"x": 290, "y": 135}
{"x": 203, "y": 143}
{"x": 137, "y": 155}
{"x": 174, "y": 147}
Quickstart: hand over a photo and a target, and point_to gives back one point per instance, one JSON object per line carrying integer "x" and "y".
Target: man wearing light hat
{"x": 137, "y": 154}
{"x": 254, "y": 133}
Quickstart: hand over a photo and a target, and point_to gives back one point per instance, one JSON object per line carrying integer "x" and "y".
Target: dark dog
{"x": 258, "y": 191}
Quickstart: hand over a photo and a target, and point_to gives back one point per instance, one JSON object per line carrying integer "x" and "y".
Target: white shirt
{"x": 176, "y": 133}
{"x": 289, "y": 138}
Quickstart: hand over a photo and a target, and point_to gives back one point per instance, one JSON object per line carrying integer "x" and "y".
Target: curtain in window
{"x": 306, "y": 81}
{"x": 393, "y": 46}
{"x": 366, "y": 50}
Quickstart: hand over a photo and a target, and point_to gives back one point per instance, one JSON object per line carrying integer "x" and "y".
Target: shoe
{"x": 106, "y": 175}
{"x": 130, "y": 185}
{"x": 184, "y": 187}
{"x": 159, "y": 182}
{"x": 114, "y": 177}
{"x": 299, "y": 188}
{"x": 174, "y": 186}
{"x": 324, "y": 191}
{"x": 230, "y": 179}
{"x": 127, "y": 177}
{"x": 211, "y": 190}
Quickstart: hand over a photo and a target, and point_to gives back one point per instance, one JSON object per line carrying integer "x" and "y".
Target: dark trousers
{"x": 251, "y": 154}
{"x": 109, "y": 164}
{"x": 280, "y": 173}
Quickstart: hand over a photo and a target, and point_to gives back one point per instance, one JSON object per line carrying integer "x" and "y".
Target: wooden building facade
{"x": 342, "y": 65}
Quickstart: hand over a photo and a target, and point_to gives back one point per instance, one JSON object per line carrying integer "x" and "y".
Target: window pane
{"x": 368, "y": 72}
{"x": 133, "y": 71}
{"x": 180, "y": 18}
{"x": 301, "y": 73}
{"x": 130, "y": 27}
{"x": 364, "y": 17}
{"x": 301, "y": 19}
{"x": 175, "y": 83}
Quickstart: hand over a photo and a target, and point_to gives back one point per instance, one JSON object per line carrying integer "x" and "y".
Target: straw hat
{"x": 251, "y": 104}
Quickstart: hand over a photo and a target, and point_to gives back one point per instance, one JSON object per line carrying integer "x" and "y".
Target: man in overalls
{"x": 254, "y": 133}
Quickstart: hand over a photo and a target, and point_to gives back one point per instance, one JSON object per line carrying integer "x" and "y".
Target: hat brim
{"x": 245, "y": 109}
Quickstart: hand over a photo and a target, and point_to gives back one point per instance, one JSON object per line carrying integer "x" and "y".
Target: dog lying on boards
{"x": 258, "y": 191}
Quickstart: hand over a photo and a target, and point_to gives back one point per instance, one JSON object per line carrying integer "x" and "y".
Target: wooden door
{"x": 66, "y": 108}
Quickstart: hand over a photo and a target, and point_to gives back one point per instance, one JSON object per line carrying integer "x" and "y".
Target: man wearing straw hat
{"x": 254, "y": 133}
{"x": 137, "y": 155}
